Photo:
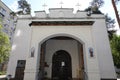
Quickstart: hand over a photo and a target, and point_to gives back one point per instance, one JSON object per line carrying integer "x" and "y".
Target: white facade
{"x": 87, "y": 31}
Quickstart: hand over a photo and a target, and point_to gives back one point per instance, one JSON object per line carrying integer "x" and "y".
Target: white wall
{"x": 81, "y": 33}
{"x": 102, "y": 45}
{"x": 20, "y": 47}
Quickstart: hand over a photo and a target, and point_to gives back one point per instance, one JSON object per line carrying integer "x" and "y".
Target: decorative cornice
{"x": 49, "y": 23}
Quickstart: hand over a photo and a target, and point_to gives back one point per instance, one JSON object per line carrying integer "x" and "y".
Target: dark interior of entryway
{"x": 61, "y": 66}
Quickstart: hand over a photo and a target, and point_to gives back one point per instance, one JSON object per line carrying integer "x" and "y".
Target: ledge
{"x": 49, "y": 23}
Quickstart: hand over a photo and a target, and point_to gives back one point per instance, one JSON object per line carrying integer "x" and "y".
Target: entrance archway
{"x": 61, "y": 66}
{"x": 61, "y": 58}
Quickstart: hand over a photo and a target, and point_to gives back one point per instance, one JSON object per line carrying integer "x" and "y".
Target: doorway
{"x": 61, "y": 66}
{"x": 61, "y": 58}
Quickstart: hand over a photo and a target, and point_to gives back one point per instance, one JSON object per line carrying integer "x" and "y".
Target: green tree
{"x": 110, "y": 25}
{"x": 94, "y": 8}
{"x": 97, "y": 3}
{"x": 24, "y": 7}
{"x": 115, "y": 46}
{"x": 4, "y": 46}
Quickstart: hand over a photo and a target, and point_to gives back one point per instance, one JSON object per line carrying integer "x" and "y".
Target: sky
{"x": 37, "y": 5}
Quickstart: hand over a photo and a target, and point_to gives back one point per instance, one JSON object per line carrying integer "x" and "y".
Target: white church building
{"x": 61, "y": 45}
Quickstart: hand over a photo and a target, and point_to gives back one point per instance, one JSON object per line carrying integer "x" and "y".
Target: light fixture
{"x": 32, "y": 51}
{"x": 91, "y": 51}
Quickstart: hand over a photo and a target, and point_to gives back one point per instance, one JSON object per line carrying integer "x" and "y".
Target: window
{"x": 1, "y": 16}
{"x": 2, "y": 11}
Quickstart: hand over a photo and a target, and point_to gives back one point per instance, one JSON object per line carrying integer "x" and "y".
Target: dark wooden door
{"x": 61, "y": 66}
{"x": 19, "y": 74}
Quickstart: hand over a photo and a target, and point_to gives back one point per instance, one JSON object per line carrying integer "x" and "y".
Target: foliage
{"x": 24, "y": 6}
{"x": 4, "y": 46}
{"x": 94, "y": 8}
{"x": 97, "y": 3}
{"x": 109, "y": 21}
{"x": 115, "y": 46}
{"x": 2, "y": 72}
{"x": 110, "y": 25}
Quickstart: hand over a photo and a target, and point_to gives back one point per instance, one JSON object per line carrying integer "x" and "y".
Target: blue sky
{"x": 36, "y": 5}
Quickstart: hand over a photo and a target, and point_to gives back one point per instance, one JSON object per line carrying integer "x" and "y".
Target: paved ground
{"x": 3, "y": 76}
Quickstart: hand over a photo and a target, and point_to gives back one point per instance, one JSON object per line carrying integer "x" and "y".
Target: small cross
{"x": 61, "y": 3}
{"x": 44, "y": 5}
{"x": 78, "y": 5}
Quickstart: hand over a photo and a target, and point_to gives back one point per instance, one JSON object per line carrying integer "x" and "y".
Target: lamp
{"x": 32, "y": 51}
{"x": 91, "y": 52}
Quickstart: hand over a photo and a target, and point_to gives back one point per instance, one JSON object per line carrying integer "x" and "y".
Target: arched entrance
{"x": 61, "y": 58}
{"x": 61, "y": 66}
